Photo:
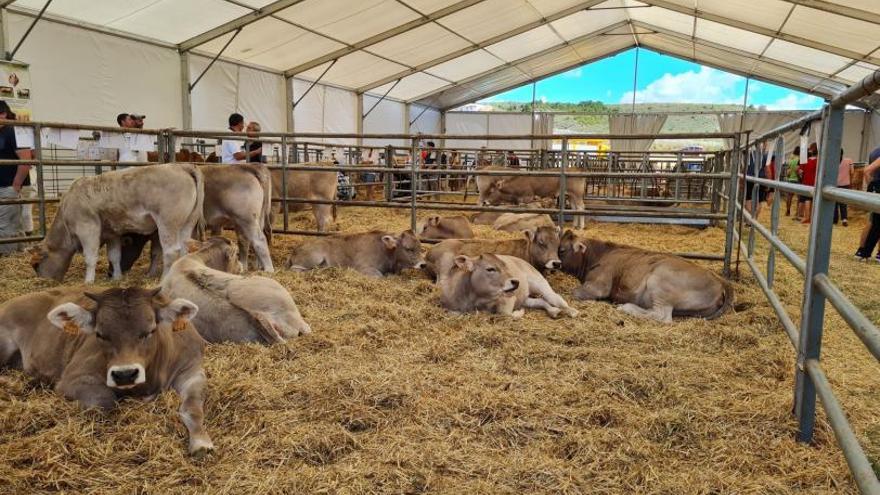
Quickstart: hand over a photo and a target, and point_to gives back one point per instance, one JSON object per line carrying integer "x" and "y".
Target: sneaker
{"x": 860, "y": 255}
{"x": 877, "y": 258}
{"x": 845, "y": 223}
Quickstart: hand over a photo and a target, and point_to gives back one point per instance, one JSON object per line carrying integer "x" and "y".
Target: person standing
{"x": 126, "y": 152}
{"x": 844, "y": 180}
{"x": 232, "y": 150}
{"x": 755, "y": 170}
{"x": 790, "y": 175}
{"x": 808, "y": 178}
{"x": 12, "y": 179}
{"x": 255, "y": 145}
{"x": 871, "y": 234}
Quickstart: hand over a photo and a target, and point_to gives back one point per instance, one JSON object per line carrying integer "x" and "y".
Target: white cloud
{"x": 543, "y": 99}
{"x": 573, "y": 74}
{"x": 706, "y": 86}
{"x": 794, "y": 101}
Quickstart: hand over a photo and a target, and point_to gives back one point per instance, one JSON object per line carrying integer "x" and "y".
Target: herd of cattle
{"x": 97, "y": 347}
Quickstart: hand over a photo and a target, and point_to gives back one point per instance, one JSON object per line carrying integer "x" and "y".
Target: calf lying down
{"x": 99, "y": 348}
{"x": 233, "y": 308}
{"x": 645, "y": 284}
{"x": 456, "y": 227}
{"x": 371, "y": 253}
{"x": 499, "y": 284}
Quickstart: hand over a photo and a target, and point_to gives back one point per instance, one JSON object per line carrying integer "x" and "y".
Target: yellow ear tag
{"x": 179, "y": 325}
{"x": 71, "y": 328}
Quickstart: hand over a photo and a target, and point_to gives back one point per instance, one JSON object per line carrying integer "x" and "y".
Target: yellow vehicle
{"x": 600, "y": 145}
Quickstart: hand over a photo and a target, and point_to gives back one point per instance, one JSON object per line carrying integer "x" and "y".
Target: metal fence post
{"x": 818, "y": 255}
{"x": 778, "y": 156}
{"x": 413, "y": 183}
{"x": 389, "y": 177}
{"x": 284, "y": 208}
{"x": 732, "y": 194}
{"x": 41, "y": 185}
{"x": 168, "y": 156}
{"x": 562, "y": 182}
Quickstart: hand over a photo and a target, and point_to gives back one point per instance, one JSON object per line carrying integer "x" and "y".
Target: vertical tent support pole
{"x": 413, "y": 180}
{"x": 778, "y": 156}
{"x": 443, "y": 128}
{"x": 389, "y": 177}
{"x": 288, "y": 104}
{"x": 285, "y": 211}
{"x": 562, "y": 184}
{"x": 818, "y": 256}
{"x": 41, "y": 185}
{"x": 732, "y": 194}
{"x": 185, "y": 91}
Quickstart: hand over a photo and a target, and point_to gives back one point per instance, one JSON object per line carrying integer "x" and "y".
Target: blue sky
{"x": 661, "y": 79}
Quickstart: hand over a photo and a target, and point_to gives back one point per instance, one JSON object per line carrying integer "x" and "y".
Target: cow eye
{"x": 101, "y": 336}
{"x": 491, "y": 270}
{"x": 146, "y": 335}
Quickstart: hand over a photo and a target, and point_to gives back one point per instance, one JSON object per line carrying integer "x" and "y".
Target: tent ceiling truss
{"x": 474, "y": 67}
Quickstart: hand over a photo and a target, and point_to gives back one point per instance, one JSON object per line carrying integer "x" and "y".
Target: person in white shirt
{"x": 232, "y": 150}
{"x": 126, "y": 153}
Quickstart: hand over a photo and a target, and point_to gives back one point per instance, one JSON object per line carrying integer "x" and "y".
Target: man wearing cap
{"x": 12, "y": 179}
{"x": 232, "y": 150}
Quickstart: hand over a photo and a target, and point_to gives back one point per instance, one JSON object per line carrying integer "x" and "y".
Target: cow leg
{"x": 114, "y": 254}
{"x": 90, "y": 247}
{"x": 661, "y": 312}
{"x": 580, "y": 221}
{"x": 190, "y": 388}
{"x": 506, "y": 307}
{"x": 593, "y": 288}
{"x": 88, "y": 390}
{"x": 370, "y": 272}
{"x": 256, "y": 238}
{"x": 539, "y": 285}
{"x": 538, "y": 303}
{"x": 323, "y": 216}
{"x": 244, "y": 247}
{"x": 155, "y": 256}
{"x": 172, "y": 247}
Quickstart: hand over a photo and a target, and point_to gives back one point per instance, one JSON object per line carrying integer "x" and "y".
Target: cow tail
{"x": 265, "y": 177}
{"x": 199, "y": 208}
{"x": 726, "y": 303}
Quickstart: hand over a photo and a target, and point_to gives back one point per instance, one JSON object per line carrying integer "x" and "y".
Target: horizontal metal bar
{"x": 791, "y": 330}
{"x": 858, "y": 462}
{"x": 81, "y": 127}
{"x": 791, "y": 187}
{"x": 22, "y": 201}
{"x": 862, "y": 199}
{"x": 496, "y": 137}
{"x": 510, "y": 172}
{"x": 13, "y": 240}
{"x": 783, "y": 248}
{"x": 861, "y": 325}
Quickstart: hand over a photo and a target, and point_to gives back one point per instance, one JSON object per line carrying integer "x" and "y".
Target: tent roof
{"x": 445, "y": 53}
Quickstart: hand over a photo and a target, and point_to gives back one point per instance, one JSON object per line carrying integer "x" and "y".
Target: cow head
{"x": 218, "y": 253}
{"x": 496, "y": 194}
{"x": 405, "y": 250}
{"x": 571, "y": 251}
{"x": 429, "y": 228}
{"x": 127, "y": 325}
{"x": 50, "y": 263}
{"x": 488, "y": 275}
{"x": 544, "y": 247}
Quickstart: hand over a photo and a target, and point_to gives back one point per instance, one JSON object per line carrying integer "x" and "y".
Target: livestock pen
{"x": 393, "y": 394}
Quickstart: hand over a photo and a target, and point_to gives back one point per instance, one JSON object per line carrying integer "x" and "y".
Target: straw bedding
{"x": 393, "y": 395}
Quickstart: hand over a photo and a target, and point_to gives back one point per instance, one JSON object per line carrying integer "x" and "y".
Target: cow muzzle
{"x": 511, "y": 285}
{"x": 421, "y": 265}
{"x": 126, "y": 375}
{"x": 553, "y": 265}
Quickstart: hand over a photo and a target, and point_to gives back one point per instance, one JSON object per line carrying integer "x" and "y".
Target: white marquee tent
{"x": 91, "y": 59}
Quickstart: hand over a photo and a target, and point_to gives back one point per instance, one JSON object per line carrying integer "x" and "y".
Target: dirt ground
{"x": 391, "y": 394}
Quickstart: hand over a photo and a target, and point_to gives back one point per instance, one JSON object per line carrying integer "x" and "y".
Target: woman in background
{"x": 844, "y": 180}
{"x": 790, "y": 174}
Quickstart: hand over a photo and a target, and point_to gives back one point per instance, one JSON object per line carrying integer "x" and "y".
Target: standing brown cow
{"x": 99, "y": 348}
{"x": 309, "y": 185}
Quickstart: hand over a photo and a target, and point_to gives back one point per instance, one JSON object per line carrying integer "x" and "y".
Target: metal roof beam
{"x": 481, "y": 45}
{"x": 761, "y": 30}
{"x": 513, "y": 64}
{"x": 372, "y": 40}
{"x": 834, "y": 8}
{"x": 235, "y": 24}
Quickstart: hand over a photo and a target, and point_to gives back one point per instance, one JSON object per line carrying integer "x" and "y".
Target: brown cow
{"x": 372, "y": 253}
{"x": 456, "y": 227}
{"x": 498, "y": 284}
{"x": 517, "y": 222}
{"x": 539, "y": 247}
{"x": 523, "y": 189}
{"x": 309, "y": 185}
{"x": 232, "y": 308}
{"x": 182, "y": 156}
{"x": 99, "y": 348}
{"x": 168, "y": 198}
{"x": 645, "y": 284}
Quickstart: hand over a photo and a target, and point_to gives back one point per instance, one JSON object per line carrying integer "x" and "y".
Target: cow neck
{"x": 59, "y": 235}
{"x": 592, "y": 258}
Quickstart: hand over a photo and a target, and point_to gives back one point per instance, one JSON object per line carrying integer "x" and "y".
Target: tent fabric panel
{"x": 853, "y": 125}
{"x": 261, "y": 99}
{"x": 550, "y": 7}
{"x": 731, "y": 36}
{"x": 464, "y": 123}
{"x": 866, "y": 5}
{"x": 804, "y": 56}
{"x": 635, "y": 124}
{"x": 510, "y": 124}
{"x": 92, "y": 77}
{"x": 833, "y": 29}
{"x": 214, "y": 98}
{"x": 525, "y": 44}
{"x": 411, "y": 86}
{"x": 95, "y": 11}
{"x": 308, "y": 115}
{"x": 857, "y": 72}
{"x": 549, "y": 62}
{"x": 346, "y": 20}
{"x": 426, "y": 123}
{"x": 175, "y": 21}
{"x": 419, "y": 45}
{"x": 340, "y": 113}
{"x": 272, "y": 43}
{"x": 430, "y": 6}
{"x": 386, "y": 118}
{"x": 584, "y": 22}
{"x": 465, "y": 65}
{"x": 667, "y": 19}
{"x": 490, "y": 18}
{"x": 354, "y": 70}
{"x": 769, "y": 14}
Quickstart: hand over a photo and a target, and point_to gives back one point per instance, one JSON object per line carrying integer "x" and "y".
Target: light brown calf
{"x": 456, "y": 227}
{"x": 372, "y": 253}
{"x": 309, "y": 185}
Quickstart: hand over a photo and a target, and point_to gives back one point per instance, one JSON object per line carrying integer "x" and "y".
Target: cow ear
{"x": 580, "y": 247}
{"x": 465, "y": 263}
{"x": 530, "y": 234}
{"x": 72, "y": 318}
{"x": 193, "y": 245}
{"x": 389, "y": 241}
{"x": 178, "y": 312}
{"x": 434, "y": 221}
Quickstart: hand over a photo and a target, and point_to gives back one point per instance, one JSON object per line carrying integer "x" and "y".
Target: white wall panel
{"x": 386, "y": 118}
{"x": 261, "y": 98}
{"x": 427, "y": 123}
{"x": 510, "y": 124}
{"x": 86, "y": 77}
{"x": 324, "y": 109}
{"x": 466, "y": 123}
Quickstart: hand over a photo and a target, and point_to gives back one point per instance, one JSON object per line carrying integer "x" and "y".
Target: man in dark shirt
{"x": 871, "y": 234}
{"x": 12, "y": 178}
